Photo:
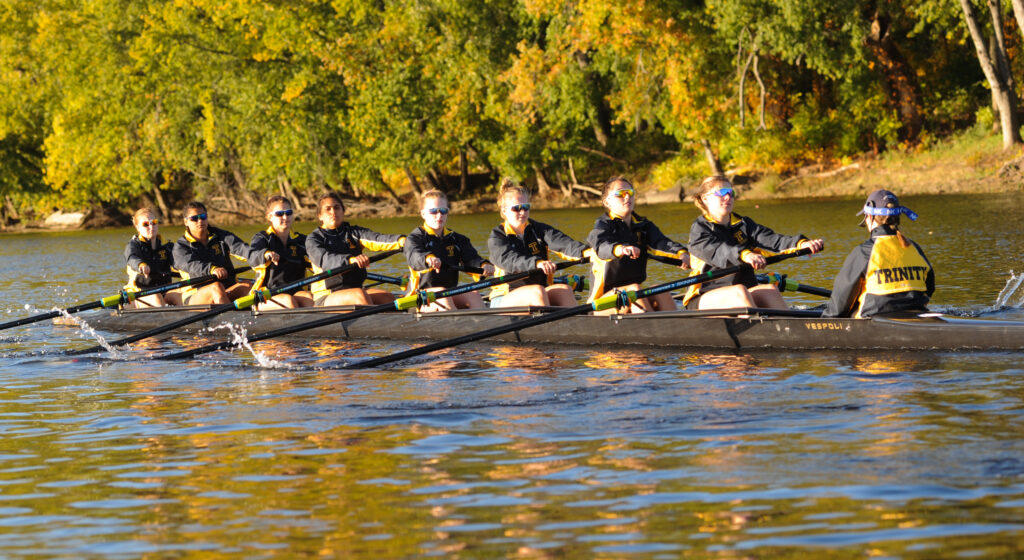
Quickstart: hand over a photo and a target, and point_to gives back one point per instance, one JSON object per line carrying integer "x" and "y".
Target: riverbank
{"x": 970, "y": 163}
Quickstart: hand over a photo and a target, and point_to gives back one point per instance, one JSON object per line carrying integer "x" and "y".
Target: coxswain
{"x": 888, "y": 273}
{"x": 205, "y": 249}
{"x": 622, "y": 242}
{"x": 279, "y": 256}
{"x": 521, "y": 244}
{"x": 721, "y": 238}
{"x": 149, "y": 260}
{"x": 337, "y": 243}
{"x": 437, "y": 254}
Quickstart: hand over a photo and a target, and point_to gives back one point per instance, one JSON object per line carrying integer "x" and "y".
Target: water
{"x": 510, "y": 451}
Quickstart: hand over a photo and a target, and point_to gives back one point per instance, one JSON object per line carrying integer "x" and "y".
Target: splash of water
{"x": 85, "y": 329}
{"x": 239, "y": 338}
{"x": 1009, "y": 296}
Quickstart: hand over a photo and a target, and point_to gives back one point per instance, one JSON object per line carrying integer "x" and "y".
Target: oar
{"x": 784, "y": 283}
{"x": 113, "y": 301}
{"x": 244, "y": 302}
{"x": 780, "y": 280}
{"x": 400, "y": 304}
{"x": 400, "y": 281}
{"x": 607, "y": 301}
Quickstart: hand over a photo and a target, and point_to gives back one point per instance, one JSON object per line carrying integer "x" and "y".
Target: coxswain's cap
{"x": 884, "y": 203}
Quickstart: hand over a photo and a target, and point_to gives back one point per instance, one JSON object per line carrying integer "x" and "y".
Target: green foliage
{"x": 108, "y": 99}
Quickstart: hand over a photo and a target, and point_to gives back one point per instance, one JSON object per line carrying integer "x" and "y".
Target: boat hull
{"x": 736, "y": 329}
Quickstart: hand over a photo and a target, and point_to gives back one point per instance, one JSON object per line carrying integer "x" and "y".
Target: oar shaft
{"x": 612, "y": 299}
{"x": 407, "y": 302}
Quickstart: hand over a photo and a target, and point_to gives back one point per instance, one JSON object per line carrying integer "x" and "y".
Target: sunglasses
{"x": 197, "y": 217}
{"x": 520, "y": 207}
{"x": 441, "y": 211}
{"x": 149, "y": 223}
{"x": 282, "y": 213}
{"x": 722, "y": 192}
{"x": 623, "y": 193}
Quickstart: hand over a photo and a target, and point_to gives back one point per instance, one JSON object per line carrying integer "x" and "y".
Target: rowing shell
{"x": 738, "y": 329}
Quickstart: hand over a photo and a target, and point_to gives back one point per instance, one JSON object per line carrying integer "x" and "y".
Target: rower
{"x": 520, "y": 244}
{"x": 436, "y": 254}
{"x": 279, "y": 255}
{"x": 720, "y": 238}
{"x": 622, "y": 241}
{"x": 887, "y": 273}
{"x": 148, "y": 261}
{"x": 337, "y": 243}
{"x": 205, "y": 249}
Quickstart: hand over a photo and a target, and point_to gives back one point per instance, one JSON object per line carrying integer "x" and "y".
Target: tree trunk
{"x": 463, "y": 172}
{"x": 478, "y": 156}
{"x": 12, "y": 211}
{"x": 543, "y": 186}
{"x": 743, "y": 82}
{"x": 417, "y": 190}
{"x": 1018, "y": 12}
{"x": 898, "y": 79}
{"x": 761, "y": 125}
{"x": 161, "y": 202}
{"x": 379, "y": 179}
{"x": 999, "y": 79}
{"x": 716, "y": 166}
{"x": 600, "y": 115}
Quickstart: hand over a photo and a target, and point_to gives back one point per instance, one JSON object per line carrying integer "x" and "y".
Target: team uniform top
{"x": 453, "y": 249}
{"x": 139, "y": 252}
{"x": 716, "y": 246}
{"x": 881, "y": 276}
{"x": 512, "y": 254}
{"x": 290, "y": 268}
{"x": 193, "y": 259}
{"x": 610, "y": 232}
{"x": 329, "y": 249}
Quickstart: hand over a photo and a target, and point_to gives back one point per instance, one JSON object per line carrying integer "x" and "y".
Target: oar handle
{"x": 265, "y": 294}
{"x": 785, "y": 283}
{"x": 400, "y": 281}
{"x": 423, "y": 297}
{"x": 626, "y": 298}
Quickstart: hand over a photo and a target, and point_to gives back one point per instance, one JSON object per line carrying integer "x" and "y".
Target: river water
{"x": 514, "y": 451}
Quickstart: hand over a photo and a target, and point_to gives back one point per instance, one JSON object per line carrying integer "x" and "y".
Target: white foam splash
{"x": 91, "y": 332}
{"x": 1008, "y": 296}
{"x": 239, "y": 338}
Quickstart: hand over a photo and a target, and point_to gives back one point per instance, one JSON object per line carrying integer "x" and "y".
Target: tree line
{"x": 109, "y": 101}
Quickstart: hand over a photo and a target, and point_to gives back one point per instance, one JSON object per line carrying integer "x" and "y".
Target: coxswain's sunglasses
{"x": 153, "y": 223}
{"x": 525, "y": 207}
{"x": 624, "y": 192}
{"x": 282, "y": 213}
{"x": 197, "y": 217}
{"x": 722, "y": 192}
{"x": 441, "y": 211}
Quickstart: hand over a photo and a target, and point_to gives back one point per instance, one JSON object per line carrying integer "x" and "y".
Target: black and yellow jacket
{"x": 329, "y": 249}
{"x": 714, "y": 246}
{"x": 511, "y": 254}
{"x": 882, "y": 276}
{"x": 454, "y": 250}
{"x": 292, "y": 265}
{"x": 193, "y": 259}
{"x": 140, "y": 251}
{"x": 611, "y": 232}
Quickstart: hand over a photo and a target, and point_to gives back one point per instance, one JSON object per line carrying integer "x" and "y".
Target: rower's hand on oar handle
{"x": 488, "y": 269}
{"x": 815, "y": 245}
{"x": 144, "y": 270}
{"x": 547, "y": 267}
{"x": 630, "y": 251}
{"x": 754, "y": 259}
{"x": 270, "y": 257}
{"x": 220, "y": 273}
{"x": 684, "y": 261}
{"x": 433, "y": 262}
{"x": 362, "y": 261}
